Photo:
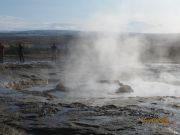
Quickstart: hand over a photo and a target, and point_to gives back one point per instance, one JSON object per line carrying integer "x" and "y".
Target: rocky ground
{"x": 27, "y": 107}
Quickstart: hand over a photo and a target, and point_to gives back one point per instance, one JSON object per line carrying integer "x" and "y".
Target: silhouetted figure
{"x": 54, "y": 52}
{"x": 21, "y": 53}
{"x": 1, "y": 53}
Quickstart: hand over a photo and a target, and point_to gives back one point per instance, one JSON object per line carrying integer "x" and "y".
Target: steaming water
{"x": 163, "y": 81}
{"x": 109, "y": 57}
{"x": 150, "y": 80}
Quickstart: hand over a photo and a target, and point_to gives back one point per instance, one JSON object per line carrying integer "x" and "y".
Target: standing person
{"x": 1, "y": 53}
{"x": 21, "y": 53}
{"x": 54, "y": 52}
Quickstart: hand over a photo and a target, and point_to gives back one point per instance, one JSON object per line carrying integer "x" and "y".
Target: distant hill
{"x": 65, "y": 36}
{"x": 157, "y": 46}
{"x": 39, "y": 33}
{"x": 38, "y": 36}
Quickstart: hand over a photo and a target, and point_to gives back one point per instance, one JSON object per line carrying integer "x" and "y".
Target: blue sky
{"x": 54, "y": 10}
{"x": 124, "y": 15}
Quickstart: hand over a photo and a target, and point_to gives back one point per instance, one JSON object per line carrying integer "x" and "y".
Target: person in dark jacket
{"x": 1, "y": 53}
{"x": 21, "y": 53}
{"x": 54, "y": 52}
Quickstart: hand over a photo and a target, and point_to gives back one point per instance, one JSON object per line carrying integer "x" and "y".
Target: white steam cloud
{"x": 111, "y": 55}
{"x": 105, "y": 55}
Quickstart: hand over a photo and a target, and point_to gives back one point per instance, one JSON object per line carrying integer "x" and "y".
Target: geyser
{"x": 111, "y": 55}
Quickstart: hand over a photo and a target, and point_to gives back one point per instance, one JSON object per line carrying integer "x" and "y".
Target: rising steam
{"x": 111, "y": 55}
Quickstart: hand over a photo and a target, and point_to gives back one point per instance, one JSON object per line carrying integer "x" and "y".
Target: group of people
{"x": 20, "y": 52}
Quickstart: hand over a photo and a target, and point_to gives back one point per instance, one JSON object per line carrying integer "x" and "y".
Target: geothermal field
{"x": 100, "y": 84}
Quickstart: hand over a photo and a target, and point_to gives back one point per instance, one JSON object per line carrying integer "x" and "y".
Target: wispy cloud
{"x": 10, "y": 23}
{"x": 140, "y": 23}
{"x": 101, "y": 22}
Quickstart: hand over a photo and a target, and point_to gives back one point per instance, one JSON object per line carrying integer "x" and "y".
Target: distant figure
{"x": 1, "y": 53}
{"x": 54, "y": 52}
{"x": 21, "y": 53}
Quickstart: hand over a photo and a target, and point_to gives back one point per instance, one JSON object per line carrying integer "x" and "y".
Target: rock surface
{"x": 124, "y": 89}
{"x": 61, "y": 87}
{"x": 44, "y": 118}
{"x": 24, "y": 112}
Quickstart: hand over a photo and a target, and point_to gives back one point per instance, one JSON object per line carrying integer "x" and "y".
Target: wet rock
{"x": 141, "y": 101}
{"x": 60, "y": 87}
{"x": 86, "y": 125}
{"x": 104, "y": 81}
{"x": 9, "y": 130}
{"x": 36, "y": 81}
{"x": 78, "y": 105}
{"x": 124, "y": 89}
{"x": 26, "y": 83}
{"x": 52, "y": 74}
{"x": 110, "y": 82}
{"x": 96, "y": 120}
{"x": 140, "y": 121}
{"x": 176, "y": 105}
{"x": 31, "y": 110}
{"x": 38, "y": 93}
{"x": 109, "y": 107}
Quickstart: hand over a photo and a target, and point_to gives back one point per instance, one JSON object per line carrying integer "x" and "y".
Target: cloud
{"x": 139, "y": 26}
{"x": 115, "y": 22}
{"x": 138, "y": 22}
{"x": 10, "y": 23}
{"x": 63, "y": 26}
